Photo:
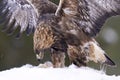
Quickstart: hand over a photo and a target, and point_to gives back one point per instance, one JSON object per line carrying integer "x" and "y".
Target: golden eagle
{"x": 68, "y": 28}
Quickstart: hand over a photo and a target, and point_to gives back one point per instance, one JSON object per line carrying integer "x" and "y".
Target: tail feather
{"x": 109, "y": 61}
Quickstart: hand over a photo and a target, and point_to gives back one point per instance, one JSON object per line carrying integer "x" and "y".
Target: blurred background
{"x": 17, "y": 52}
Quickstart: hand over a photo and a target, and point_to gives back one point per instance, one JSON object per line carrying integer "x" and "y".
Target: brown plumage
{"x": 84, "y": 19}
{"x": 68, "y": 28}
{"x": 38, "y": 15}
{"x": 47, "y": 37}
{"x": 76, "y": 56}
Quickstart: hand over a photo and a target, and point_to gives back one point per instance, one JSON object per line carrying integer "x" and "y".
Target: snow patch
{"x": 29, "y": 72}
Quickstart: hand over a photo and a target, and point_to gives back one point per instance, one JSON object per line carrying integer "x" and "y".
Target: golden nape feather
{"x": 43, "y": 39}
{"x": 47, "y": 37}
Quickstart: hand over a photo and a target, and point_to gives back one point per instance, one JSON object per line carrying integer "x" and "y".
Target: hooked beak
{"x": 39, "y": 54}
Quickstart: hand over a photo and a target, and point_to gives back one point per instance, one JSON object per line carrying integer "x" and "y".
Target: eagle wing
{"x": 98, "y": 11}
{"x": 89, "y": 15}
{"x": 23, "y": 14}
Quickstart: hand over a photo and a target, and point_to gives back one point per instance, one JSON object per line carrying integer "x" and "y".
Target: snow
{"x": 29, "y": 72}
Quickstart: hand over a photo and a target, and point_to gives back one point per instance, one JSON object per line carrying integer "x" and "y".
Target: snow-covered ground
{"x": 29, "y": 72}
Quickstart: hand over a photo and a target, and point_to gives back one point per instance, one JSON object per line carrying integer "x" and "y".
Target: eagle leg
{"x": 76, "y": 56}
{"x": 58, "y": 58}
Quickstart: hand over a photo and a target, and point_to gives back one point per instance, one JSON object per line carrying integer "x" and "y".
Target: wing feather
{"x": 23, "y": 14}
{"x": 89, "y": 15}
{"x": 98, "y": 11}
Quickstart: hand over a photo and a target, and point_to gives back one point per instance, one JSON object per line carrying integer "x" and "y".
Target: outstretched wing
{"x": 98, "y": 12}
{"x": 89, "y": 15}
{"x": 23, "y": 14}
